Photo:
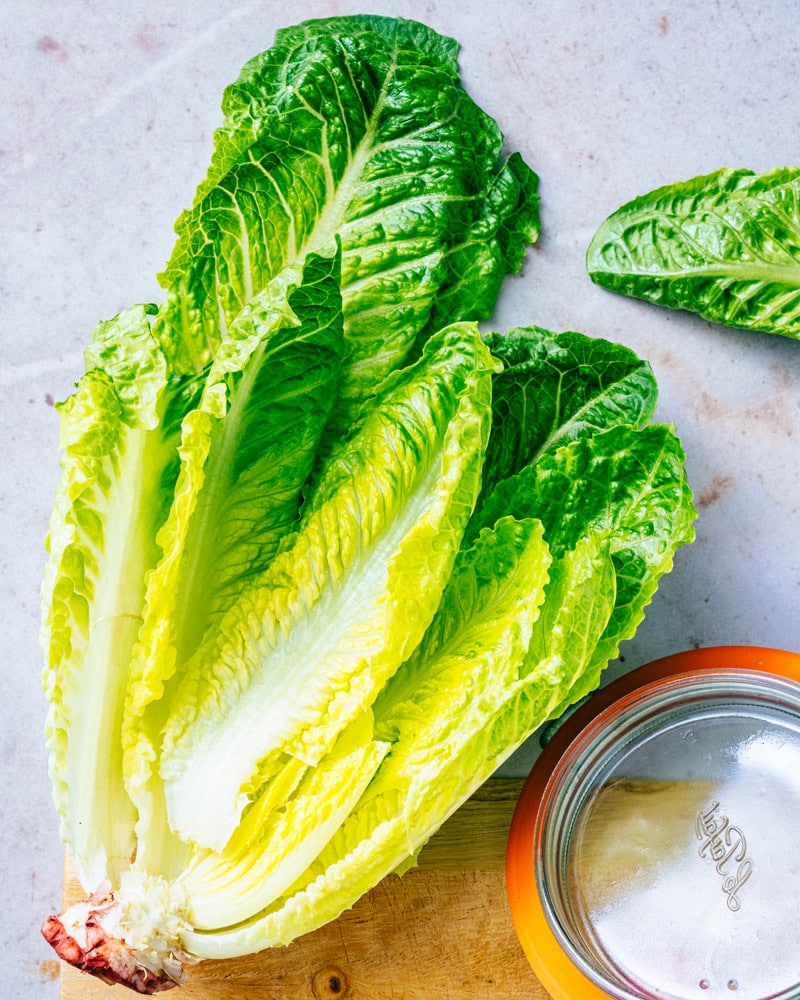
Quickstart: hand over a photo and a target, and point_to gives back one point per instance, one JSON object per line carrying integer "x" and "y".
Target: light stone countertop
{"x": 109, "y": 110}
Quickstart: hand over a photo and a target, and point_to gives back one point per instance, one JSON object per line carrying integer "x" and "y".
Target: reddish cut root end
{"x": 103, "y": 955}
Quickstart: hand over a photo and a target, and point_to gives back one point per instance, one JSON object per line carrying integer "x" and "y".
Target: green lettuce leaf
{"x": 433, "y": 715}
{"x": 309, "y": 645}
{"x": 118, "y": 435}
{"x": 282, "y": 832}
{"x": 246, "y": 452}
{"x": 357, "y": 127}
{"x": 572, "y": 444}
{"x": 725, "y": 245}
{"x": 628, "y": 487}
{"x": 556, "y": 387}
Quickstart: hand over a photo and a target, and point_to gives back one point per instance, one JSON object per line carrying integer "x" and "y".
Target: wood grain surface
{"x": 441, "y": 931}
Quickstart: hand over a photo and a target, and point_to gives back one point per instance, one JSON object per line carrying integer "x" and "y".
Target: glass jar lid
{"x": 653, "y": 852}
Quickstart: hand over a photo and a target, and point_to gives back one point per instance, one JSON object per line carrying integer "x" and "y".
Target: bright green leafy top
{"x": 356, "y": 128}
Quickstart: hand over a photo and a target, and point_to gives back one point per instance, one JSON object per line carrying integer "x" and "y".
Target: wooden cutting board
{"x": 442, "y": 931}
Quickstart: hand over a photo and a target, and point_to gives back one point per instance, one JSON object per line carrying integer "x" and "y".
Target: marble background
{"x": 108, "y": 114}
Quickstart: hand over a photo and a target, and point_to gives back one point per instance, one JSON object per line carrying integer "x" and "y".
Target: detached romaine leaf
{"x": 357, "y": 127}
{"x": 725, "y": 246}
{"x": 306, "y": 648}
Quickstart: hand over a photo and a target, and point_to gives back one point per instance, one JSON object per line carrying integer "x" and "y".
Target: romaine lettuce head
{"x": 357, "y": 201}
{"x": 323, "y": 555}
